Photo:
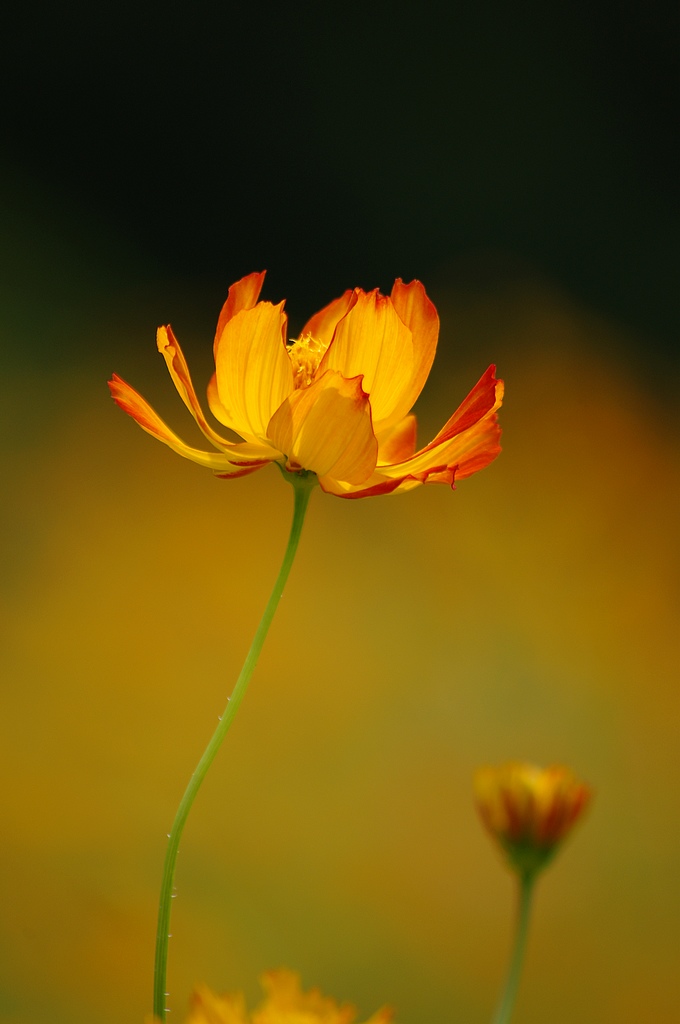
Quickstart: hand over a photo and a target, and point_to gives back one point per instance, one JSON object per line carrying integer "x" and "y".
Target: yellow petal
{"x": 216, "y": 407}
{"x": 284, "y": 1002}
{"x": 420, "y": 316}
{"x": 471, "y": 434}
{"x": 378, "y": 483}
{"x": 371, "y": 340}
{"x": 242, "y": 295}
{"x": 234, "y": 460}
{"x": 254, "y": 372}
{"x": 322, "y": 325}
{"x": 397, "y": 443}
{"x": 468, "y": 442}
{"x": 287, "y": 1003}
{"x": 208, "y": 1008}
{"x": 169, "y": 348}
{"x": 326, "y": 428}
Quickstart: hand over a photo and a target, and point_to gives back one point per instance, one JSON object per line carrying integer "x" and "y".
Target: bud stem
{"x": 507, "y": 1002}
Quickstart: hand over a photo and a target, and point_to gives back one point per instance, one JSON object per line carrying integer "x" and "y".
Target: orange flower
{"x": 284, "y": 1003}
{"x": 529, "y": 810}
{"x": 335, "y": 402}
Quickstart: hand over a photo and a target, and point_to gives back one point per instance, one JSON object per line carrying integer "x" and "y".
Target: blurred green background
{"x": 520, "y": 163}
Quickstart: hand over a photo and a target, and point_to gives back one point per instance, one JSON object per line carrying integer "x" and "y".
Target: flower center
{"x": 305, "y": 354}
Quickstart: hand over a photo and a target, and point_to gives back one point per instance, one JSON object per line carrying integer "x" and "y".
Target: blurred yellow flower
{"x": 284, "y": 1003}
{"x": 334, "y": 402}
{"x": 529, "y": 810}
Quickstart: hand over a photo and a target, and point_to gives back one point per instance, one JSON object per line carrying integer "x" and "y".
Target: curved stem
{"x": 303, "y": 484}
{"x": 507, "y": 1001}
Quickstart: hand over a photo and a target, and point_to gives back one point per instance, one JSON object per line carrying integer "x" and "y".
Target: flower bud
{"x": 529, "y": 810}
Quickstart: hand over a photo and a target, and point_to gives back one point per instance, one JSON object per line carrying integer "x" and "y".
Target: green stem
{"x": 303, "y": 485}
{"x": 507, "y": 1001}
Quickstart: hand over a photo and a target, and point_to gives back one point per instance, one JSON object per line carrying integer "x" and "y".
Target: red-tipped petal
{"x": 467, "y": 443}
{"x": 234, "y": 460}
{"x": 397, "y": 443}
{"x": 323, "y": 324}
{"x": 253, "y": 370}
{"x": 242, "y": 295}
{"x": 170, "y": 349}
{"x": 420, "y": 316}
{"x": 487, "y": 394}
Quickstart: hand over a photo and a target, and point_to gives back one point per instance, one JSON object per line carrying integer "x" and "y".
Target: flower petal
{"x": 206, "y": 1007}
{"x": 236, "y": 460}
{"x": 242, "y": 295}
{"x": 371, "y": 340}
{"x": 322, "y": 325}
{"x": 326, "y": 428}
{"x": 254, "y": 371}
{"x": 397, "y": 443}
{"x": 420, "y": 316}
{"x": 285, "y": 1001}
{"x": 376, "y": 485}
{"x": 169, "y": 348}
{"x": 487, "y": 394}
{"x": 529, "y": 810}
{"x": 216, "y": 407}
{"x": 467, "y": 443}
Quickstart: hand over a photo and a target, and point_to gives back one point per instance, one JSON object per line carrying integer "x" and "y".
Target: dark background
{"x": 342, "y": 145}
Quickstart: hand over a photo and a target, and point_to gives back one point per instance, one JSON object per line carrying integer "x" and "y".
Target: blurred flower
{"x": 529, "y": 810}
{"x": 334, "y": 402}
{"x": 284, "y": 1003}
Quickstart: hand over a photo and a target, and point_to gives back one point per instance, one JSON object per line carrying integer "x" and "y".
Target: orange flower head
{"x": 529, "y": 810}
{"x": 284, "y": 1003}
{"x": 335, "y": 402}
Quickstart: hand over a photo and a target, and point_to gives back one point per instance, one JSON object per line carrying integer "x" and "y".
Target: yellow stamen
{"x": 305, "y": 354}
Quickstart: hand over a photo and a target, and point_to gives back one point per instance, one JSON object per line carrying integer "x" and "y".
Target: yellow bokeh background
{"x": 531, "y": 614}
